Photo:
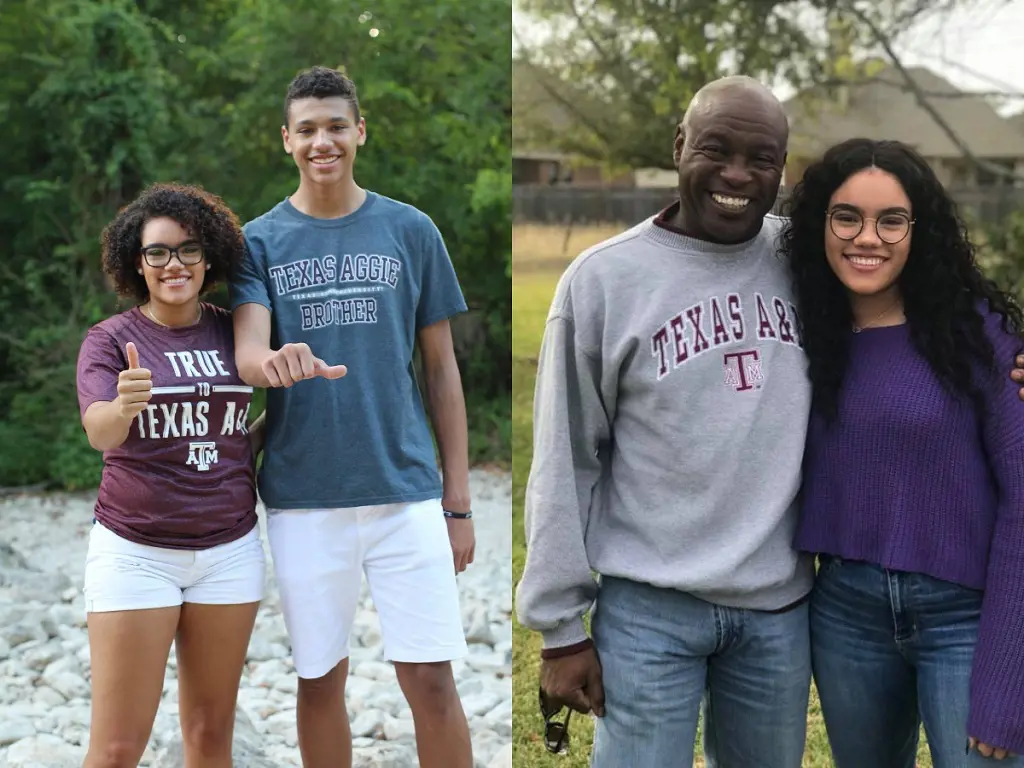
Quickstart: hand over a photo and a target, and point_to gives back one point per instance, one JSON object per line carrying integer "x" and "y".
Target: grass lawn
{"x": 537, "y": 261}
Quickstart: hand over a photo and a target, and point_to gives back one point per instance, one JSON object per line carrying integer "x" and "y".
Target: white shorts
{"x": 121, "y": 575}
{"x": 319, "y": 558}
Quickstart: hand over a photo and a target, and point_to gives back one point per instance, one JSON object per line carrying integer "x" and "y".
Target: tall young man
{"x": 341, "y": 274}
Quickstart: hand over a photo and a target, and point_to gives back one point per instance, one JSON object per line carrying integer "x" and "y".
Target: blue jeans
{"x": 890, "y": 651}
{"x": 663, "y": 651}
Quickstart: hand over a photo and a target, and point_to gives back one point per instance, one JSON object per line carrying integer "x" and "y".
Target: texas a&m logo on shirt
{"x": 717, "y": 325}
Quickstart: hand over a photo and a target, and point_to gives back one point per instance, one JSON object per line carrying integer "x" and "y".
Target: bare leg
{"x": 442, "y": 733}
{"x": 128, "y": 652}
{"x": 211, "y": 645}
{"x": 325, "y": 738}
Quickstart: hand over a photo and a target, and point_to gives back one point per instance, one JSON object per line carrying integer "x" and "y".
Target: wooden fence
{"x": 538, "y": 204}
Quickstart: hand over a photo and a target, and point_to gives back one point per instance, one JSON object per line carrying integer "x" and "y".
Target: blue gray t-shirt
{"x": 356, "y": 289}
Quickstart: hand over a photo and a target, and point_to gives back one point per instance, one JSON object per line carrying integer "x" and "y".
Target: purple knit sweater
{"x": 912, "y": 479}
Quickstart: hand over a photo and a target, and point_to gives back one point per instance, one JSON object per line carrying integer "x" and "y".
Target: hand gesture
{"x": 574, "y": 681}
{"x": 294, "y": 362}
{"x": 134, "y": 385}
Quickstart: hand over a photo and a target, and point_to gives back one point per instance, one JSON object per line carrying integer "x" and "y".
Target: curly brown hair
{"x": 204, "y": 215}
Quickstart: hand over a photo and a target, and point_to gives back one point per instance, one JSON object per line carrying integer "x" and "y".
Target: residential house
{"x": 537, "y": 115}
{"x": 883, "y": 106}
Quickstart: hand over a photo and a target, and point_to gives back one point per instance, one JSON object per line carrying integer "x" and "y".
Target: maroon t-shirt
{"x": 184, "y": 478}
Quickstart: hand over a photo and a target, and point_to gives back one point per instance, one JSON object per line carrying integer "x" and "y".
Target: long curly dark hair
{"x": 204, "y": 215}
{"x": 941, "y": 285}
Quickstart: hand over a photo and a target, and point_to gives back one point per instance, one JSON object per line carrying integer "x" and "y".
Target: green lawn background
{"x": 539, "y": 256}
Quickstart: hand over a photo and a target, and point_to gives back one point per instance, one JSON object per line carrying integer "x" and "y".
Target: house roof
{"x": 883, "y": 107}
{"x": 1017, "y": 122}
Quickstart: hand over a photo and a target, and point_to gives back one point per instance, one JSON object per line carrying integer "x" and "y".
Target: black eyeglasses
{"x": 160, "y": 255}
{"x": 556, "y": 734}
{"x": 891, "y": 228}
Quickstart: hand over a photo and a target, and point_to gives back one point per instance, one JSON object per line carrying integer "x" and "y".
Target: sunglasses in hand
{"x": 556, "y": 734}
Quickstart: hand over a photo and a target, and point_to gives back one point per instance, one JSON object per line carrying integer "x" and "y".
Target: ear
{"x": 677, "y": 145}
{"x": 284, "y": 139}
{"x": 362, "y": 132}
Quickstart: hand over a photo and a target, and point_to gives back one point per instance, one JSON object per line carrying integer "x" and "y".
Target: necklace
{"x": 148, "y": 310}
{"x": 879, "y": 316}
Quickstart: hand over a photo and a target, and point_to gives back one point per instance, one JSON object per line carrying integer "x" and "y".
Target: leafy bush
{"x": 112, "y": 95}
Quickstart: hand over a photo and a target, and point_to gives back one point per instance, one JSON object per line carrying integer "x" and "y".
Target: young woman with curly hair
{"x": 913, "y": 489}
{"x": 175, "y": 551}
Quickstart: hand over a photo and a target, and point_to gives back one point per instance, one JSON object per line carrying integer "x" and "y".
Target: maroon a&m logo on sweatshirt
{"x": 713, "y": 323}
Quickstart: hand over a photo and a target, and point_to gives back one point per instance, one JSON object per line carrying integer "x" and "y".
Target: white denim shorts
{"x": 320, "y": 556}
{"x": 121, "y": 575}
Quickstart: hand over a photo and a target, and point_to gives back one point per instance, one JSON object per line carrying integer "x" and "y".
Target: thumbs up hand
{"x": 134, "y": 385}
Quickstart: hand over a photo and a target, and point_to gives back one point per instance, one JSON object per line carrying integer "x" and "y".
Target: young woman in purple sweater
{"x": 914, "y": 470}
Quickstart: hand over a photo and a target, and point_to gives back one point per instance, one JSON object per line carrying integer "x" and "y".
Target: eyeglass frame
{"x": 864, "y": 219}
{"x": 556, "y": 734}
{"x": 174, "y": 253}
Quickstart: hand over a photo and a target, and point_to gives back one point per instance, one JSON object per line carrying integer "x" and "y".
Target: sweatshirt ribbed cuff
{"x": 569, "y": 633}
{"x": 997, "y": 727}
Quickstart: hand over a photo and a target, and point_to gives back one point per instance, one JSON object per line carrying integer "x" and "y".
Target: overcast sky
{"x": 977, "y": 49}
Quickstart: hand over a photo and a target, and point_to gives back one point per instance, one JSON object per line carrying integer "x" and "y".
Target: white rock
{"x": 42, "y": 655}
{"x": 398, "y": 730}
{"x": 22, "y": 632}
{"x": 68, "y": 684}
{"x": 396, "y": 755}
{"x": 44, "y": 751}
{"x": 370, "y": 723}
{"x": 44, "y": 682}
{"x": 503, "y": 759}
{"x": 375, "y": 670}
{"x": 46, "y": 695}
{"x": 15, "y": 730}
{"x": 481, "y": 703}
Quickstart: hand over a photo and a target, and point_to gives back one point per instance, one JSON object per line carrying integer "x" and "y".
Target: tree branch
{"x": 922, "y": 99}
{"x": 567, "y": 104}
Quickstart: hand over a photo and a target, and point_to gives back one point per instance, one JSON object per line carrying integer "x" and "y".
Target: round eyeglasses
{"x": 891, "y": 228}
{"x": 160, "y": 255}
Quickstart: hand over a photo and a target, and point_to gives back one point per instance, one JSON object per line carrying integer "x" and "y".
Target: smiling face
{"x": 322, "y": 136}
{"x": 174, "y": 284}
{"x": 730, "y": 158}
{"x": 869, "y": 263}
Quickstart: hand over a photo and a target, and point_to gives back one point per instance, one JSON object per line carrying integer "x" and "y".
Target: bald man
{"x": 671, "y": 392}
{"x": 670, "y": 414}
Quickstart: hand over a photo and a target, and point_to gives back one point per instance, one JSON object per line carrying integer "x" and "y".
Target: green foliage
{"x": 1001, "y": 253}
{"x": 112, "y": 95}
{"x": 609, "y": 80}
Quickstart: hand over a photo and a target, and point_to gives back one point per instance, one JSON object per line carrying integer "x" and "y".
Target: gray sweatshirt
{"x": 669, "y": 421}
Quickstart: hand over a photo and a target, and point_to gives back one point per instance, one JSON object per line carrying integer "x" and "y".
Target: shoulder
{"x": 261, "y": 225}
{"x": 775, "y": 224}
{"x": 999, "y": 328}
{"x": 218, "y": 315}
{"x": 401, "y": 215}
{"x": 115, "y": 326}
{"x": 103, "y": 342}
{"x": 773, "y": 229}
{"x": 608, "y": 256}
{"x": 599, "y": 266}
